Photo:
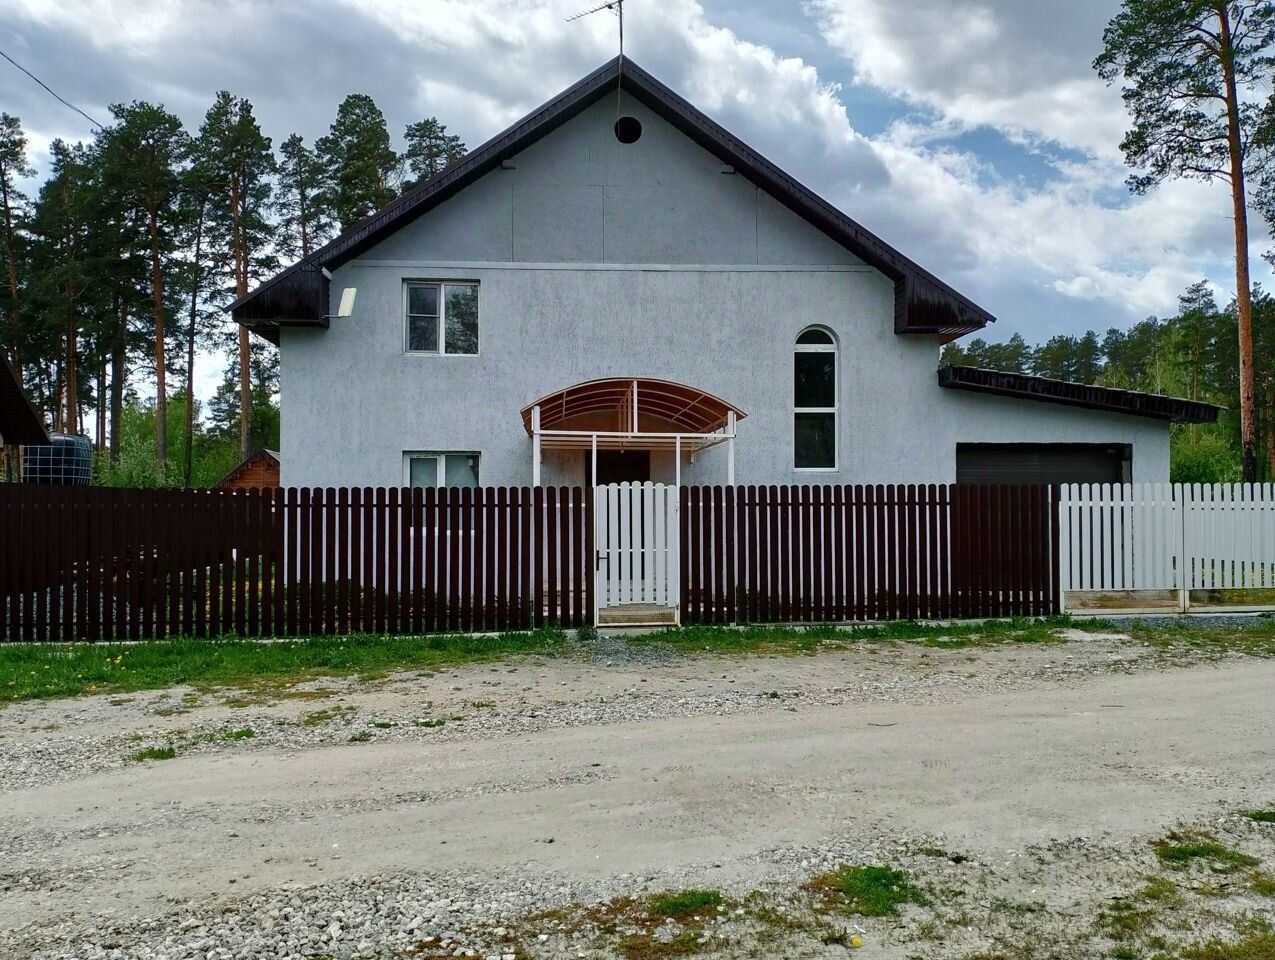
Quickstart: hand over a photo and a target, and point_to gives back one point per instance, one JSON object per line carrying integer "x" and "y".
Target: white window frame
{"x": 441, "y": 467}
{"x": 442, "y": 318}
{"x": 833, "y": 348}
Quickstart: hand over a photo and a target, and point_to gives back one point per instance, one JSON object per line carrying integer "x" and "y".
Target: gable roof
{"x": 299, "y": 295}
{"x": 19, "y": 423}
{"x": 1025, "y": 387}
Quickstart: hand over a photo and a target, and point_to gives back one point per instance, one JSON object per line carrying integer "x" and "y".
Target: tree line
{"x": 118, "y": 272}
{"x": 1193, "y": 354}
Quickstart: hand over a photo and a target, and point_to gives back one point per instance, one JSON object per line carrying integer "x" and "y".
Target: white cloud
{"x": 1071, "y": 243}
{"x": 1020, "y": 67}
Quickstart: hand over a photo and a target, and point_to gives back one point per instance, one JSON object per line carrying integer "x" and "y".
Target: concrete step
{"x": 637, "y": 615}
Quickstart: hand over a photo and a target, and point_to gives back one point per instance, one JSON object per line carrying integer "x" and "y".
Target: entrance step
{"x": 637, "y": 615}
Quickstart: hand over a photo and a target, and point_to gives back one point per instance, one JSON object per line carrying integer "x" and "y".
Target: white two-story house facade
{"x": 616, "y": 288}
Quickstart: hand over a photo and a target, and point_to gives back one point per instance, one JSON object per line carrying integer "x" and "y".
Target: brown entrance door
{"x": 618, "y": 466}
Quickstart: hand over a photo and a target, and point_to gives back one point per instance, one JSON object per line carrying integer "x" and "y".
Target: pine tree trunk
{"x": 100, "y": 413}
{"x": 117, "y": 387}
{"x": 15, "y": 350}
{"x": 190, "y": 354}
{"x": 161, "y": 392}
{"x": 72, "y": 376}
{"x": 240, "y": 245}
{"x": 1243, "y": 285}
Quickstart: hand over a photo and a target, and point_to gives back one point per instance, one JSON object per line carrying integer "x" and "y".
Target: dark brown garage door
{"x": 1042, "y": 463}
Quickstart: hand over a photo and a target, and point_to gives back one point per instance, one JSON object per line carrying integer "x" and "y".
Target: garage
{"x": 1042, "y": 463}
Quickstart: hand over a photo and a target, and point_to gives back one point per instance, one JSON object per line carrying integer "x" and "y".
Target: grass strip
{"x": 42, "y": 671}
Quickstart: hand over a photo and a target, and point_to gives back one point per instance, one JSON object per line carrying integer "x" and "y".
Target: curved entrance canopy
{"x": 634, "y": 403}
{"x": 632, "y": 413}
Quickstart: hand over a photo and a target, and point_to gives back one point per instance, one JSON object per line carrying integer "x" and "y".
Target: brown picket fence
{"x": 108, "y": 564}
{"x": 825, "y": 554}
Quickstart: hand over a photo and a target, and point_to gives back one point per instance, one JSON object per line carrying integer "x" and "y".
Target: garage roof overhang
{"x": 19, "y": 423}
{"x": 1089, "y": 396}
{"x": 298, "y": 296}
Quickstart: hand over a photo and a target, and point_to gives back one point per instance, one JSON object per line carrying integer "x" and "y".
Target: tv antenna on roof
{"x": 617, "y": 8}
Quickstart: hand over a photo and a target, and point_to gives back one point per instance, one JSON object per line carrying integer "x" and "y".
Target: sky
{"x": 973, "y": 135}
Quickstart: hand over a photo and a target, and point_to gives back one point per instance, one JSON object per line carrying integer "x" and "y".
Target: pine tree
{"x": 62, "y": 228}
{"x": 237, "y": 164}
{"x": 144, "y": 151}
{"x": 305, "y": 223}
{"x": 358, "y": 163}
{"x": 1190, "y": 68}
{"x": 430, "y": 148}
{"x": 14, "y": 210}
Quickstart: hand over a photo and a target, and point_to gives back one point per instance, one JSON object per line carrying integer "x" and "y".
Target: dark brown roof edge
{"x": 1047, "y": 390}
{"x": 923, "y": 303}
{"x": 19, "y": 421}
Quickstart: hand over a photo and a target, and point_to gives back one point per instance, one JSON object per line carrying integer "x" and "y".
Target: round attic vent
{"x": 628, "y": 129}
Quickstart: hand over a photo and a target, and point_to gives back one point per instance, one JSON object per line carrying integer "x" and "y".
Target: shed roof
{"x": 248, "y": 461}
{"x": 299, "y": 295}
{"x": 1090, "y": 396}
{"x": 19, "y": 422}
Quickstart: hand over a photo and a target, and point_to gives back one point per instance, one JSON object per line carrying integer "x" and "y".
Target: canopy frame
{"x": 708, "y": 421}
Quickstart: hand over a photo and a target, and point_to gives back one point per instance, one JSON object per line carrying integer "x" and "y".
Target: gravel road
{"x": 441, "y": 812}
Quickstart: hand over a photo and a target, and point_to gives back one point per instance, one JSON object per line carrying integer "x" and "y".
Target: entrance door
{"x": 636, "y": 538}
{"x": 618, "y": 466}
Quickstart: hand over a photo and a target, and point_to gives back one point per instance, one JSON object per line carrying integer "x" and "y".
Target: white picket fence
{"x": 1167, "y": 537}
{"x": 636, "y": 538}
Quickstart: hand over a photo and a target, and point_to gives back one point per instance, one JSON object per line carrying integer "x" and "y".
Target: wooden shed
{"x": 259, "y": 470}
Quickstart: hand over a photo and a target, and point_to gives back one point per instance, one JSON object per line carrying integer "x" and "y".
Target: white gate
{"x": 636, "y": 538}
{"x": 1169, "y": 539}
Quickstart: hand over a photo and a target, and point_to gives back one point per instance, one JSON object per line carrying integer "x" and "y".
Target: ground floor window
{"x": 426, "y": 469}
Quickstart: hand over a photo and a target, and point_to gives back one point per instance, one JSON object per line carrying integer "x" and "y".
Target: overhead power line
{"x": 50, "y": 90}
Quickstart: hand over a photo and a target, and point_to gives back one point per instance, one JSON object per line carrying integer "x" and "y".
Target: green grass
{"x": 266, "y": 670}
{"x": 811, "y": 639}
{"x": 153, "y": 753}
{"x": 1180, "y": 850}
{"x": 42, "y": 671}
{"x": 686, "y": 903}
{"x": 1254, "y": 637}
{"x": 1261, "y": 816}
{"x": 868, "y": 891}
{"x": 1262, "y": 884}
{"x": 245, "y": 733}
{"x": 1255, "y": 946}
{"x": 1123, "y": 921}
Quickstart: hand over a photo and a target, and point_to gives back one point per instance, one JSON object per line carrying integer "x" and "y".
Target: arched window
{"x": 815, "y": 400}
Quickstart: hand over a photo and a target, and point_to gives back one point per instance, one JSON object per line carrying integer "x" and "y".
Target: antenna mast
{"x": 617, "y": 8}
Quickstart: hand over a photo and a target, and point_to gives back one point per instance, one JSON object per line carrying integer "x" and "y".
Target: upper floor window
{"x": 441, "y": 318}
{"x": 815, "y": 400}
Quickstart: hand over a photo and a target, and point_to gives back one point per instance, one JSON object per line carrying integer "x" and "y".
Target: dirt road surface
{"x": 694, "y": 773}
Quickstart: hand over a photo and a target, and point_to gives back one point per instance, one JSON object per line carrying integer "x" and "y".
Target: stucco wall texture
{"x": 598, "y": 259}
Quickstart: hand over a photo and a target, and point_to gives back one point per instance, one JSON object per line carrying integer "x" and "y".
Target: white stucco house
{"x": 618, "y": 288}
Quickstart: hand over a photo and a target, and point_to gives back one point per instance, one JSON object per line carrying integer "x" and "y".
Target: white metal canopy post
{"x": 535, "y": 442}
{"x": 730, "y": 449}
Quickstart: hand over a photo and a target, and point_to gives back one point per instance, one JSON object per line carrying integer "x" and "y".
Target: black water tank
{"x": 66, "y": 462}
